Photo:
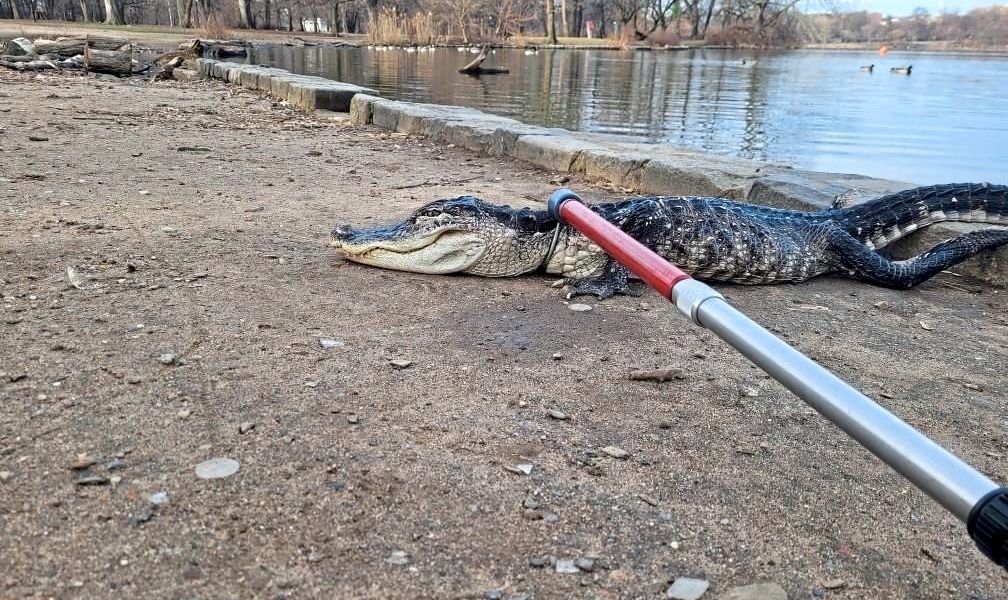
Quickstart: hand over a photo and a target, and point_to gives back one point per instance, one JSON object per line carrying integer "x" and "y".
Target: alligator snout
{"x": 342, "y": 232}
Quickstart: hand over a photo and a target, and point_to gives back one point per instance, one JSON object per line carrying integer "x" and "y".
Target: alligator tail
{"x": 884, "y": 220}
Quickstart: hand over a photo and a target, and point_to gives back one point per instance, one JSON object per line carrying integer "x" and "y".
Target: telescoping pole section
{"x": 964, "y": 491}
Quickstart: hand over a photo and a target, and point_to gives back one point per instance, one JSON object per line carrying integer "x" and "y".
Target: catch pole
{"x": 961, "y": 489}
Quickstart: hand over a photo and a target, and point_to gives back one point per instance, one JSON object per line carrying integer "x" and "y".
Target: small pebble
{"x": 83, "y": 462}
{"x": 328, "y": 343}
{"x": 578, "y": 307}
{"x": 5, "y": 476}
{"x": 615, "y": 452}
{"x": 648, "y": 499}
{"x": 92, "y": 480}
{"x": 756, "y": 591}
{"x": 566, "y": 566}
{"x": 834, "y": 584}
{"x": 585, "y": 564}
{"x": 400, "y": 364}
{"x": 144, "y": 193}
{"x": 559, "y": 415}
{"x": 158, "y": 498}
{"x": 687, "y": 588}
{"x": 538, "y": 562}
{"x": 246, "y": 427}
{"x": 217, "y": 468}
{"x": 521, "y": 468}
{"x": 167, "y": 358}
{"x": 397, "y": 557}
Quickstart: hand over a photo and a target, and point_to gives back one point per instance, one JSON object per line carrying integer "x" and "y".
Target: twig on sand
{"x": 428, "y": 181}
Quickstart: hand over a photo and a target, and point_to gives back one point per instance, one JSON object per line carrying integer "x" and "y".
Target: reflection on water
{"x": 815, "y": 110}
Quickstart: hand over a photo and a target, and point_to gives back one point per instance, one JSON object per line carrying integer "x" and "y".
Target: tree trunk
{"x": 707, "y": 19}
{"x": 113, "y": 14}
{"x": 243, "y": 15}
{"x": 565, "y": 26}
{"x": 15, "y": 9}
{"x": 83, "y": 6}
{"x": 551, "y": 37}
{"x": 185, "y": 14}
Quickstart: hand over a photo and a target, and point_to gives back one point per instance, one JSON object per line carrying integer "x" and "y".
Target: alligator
{"x": 713, "y": 239}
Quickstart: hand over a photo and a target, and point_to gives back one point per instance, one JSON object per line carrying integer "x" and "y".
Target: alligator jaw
{"x": 444, "y": 251}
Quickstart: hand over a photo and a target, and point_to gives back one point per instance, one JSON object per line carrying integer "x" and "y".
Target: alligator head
{"x": 457, "y": 235}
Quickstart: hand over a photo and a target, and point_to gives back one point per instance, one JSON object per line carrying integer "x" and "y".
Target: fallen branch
{"x": 474, "y": 68}
{"x": 33, "y": 65}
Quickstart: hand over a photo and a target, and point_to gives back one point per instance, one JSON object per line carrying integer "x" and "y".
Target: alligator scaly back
{"x": 884, "y": 220}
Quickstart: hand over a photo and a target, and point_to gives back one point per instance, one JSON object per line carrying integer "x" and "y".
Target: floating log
{"x": 72, "y": 46}
{"x": 474, "y": 67}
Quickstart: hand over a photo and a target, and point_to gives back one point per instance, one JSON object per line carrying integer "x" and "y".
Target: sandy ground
{"x": 195, "y": 218}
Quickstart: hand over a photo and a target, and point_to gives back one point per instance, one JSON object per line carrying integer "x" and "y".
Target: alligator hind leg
{"x": 868, "y": 265}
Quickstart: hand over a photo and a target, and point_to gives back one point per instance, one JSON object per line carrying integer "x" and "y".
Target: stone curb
{"x": 303, "y": 91}
{"x": 644, "y": 168}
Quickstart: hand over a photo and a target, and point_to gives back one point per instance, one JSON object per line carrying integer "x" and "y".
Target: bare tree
{"x": 113, "y": 13}
{"x": 551, "y": 37}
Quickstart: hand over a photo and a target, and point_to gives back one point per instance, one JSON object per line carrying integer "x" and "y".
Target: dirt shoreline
{"x": 196, "y": 216}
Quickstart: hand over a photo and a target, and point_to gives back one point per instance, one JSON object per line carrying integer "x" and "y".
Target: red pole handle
{"x": 653, "y": 269}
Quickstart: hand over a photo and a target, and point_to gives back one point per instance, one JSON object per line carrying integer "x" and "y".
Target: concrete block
{"x": 335, "y": 96}
{"x": 621, "y": 168}
{"x": 698, "y": 176}
{"x": 385, "y": 114}
{"x": 361, "y": 106}
{"x": 806, "y": 190}
{"x": 553, "y": 152}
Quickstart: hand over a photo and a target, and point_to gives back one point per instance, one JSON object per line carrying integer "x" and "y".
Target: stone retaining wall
{"x": 646, "y": 168}
{"x": 303, "y": 91}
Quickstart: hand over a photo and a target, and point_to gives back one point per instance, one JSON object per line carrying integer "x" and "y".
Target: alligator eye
{"x": 431, "y": 212}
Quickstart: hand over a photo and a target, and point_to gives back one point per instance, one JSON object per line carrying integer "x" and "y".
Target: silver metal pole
{"x": 954, "y": 484}
{"x": 960, "y": 488}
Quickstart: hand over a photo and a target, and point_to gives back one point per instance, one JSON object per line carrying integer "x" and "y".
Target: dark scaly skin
{"x": 723, "y": 240}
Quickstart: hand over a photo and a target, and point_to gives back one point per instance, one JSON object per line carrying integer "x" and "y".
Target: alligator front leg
{"x": 611, "y": 281}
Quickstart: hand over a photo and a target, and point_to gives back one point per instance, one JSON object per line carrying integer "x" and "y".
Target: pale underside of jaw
{"x": 448, "y": 252}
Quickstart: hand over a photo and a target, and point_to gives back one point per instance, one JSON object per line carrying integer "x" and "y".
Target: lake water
{"x": 946, "y": 122}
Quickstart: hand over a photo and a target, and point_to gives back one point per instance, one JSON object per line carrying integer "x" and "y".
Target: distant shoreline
{"x": 166, "y": 37}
